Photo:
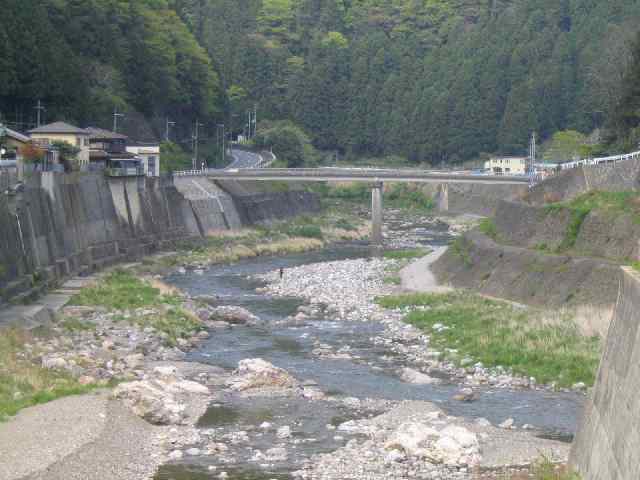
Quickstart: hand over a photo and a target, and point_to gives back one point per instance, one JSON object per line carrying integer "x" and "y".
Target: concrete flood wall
{"x": 601, "y": 234}
{"x": 262, "y": 207}
{"x": 66, "y": 224}
{"x": 61, "y": 225}
{"x": 607, "y": 446}
{"x": 475, "y": 199}
{"x": 532, "y": 278}
{"x": 622, "y": 176}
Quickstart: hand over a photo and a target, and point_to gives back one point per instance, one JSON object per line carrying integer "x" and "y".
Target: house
{"x": 46, "y": 135}
{"x": 12, "y": 143}
{"x": 150, "y": 157}
{"x": 108, "y": 150}
{"x": 507, "y": 165}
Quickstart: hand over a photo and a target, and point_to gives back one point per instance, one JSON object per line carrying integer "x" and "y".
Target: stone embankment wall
{"x": 607, "y": 446}
{"x": 623, "y": 176}
{"x": 601, "y": 234}
{"x": 530, "y": 277}
{"x": 62, "y": 225}
{"x": 475, "y": 199}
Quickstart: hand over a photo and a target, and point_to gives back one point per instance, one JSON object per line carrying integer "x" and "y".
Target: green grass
{"x": 544, "y": 469}
{"x": 612, "y": 204}
{"x": 23, "y": 382}
{"x": 460, "y": 248}
{"x": 344, "y": 224}
{"x": 499, "y": 334}
{"x": 406, "y": 197}
{"x": 406, "y": 254}
{"x": 488, "y": 227}
{"x": 303, "y": 231}
{"x": 392, "y": 280}
{"x": 122, "y": 290}
{"x": 636, "y": 265}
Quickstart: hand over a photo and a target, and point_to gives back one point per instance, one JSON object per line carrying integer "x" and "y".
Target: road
{"x": 243, "y": 159}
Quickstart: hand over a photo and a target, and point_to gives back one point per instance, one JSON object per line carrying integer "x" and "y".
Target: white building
{"x": 150, "y": 157}
{"x": 507, "y": 166}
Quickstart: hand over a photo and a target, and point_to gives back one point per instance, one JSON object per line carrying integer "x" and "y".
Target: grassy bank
{"x": 612, "y": 204}
{"x": 499, "y": 334}
{"x": 122, "y": 291}
{"x": 23, "y": 382}
{"x": 302, "y": 234}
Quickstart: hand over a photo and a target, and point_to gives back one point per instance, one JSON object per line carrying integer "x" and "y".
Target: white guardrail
{"x": 599, "y": 161}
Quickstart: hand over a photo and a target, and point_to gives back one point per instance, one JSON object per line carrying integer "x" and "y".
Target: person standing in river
{"x": 281, "y": 273}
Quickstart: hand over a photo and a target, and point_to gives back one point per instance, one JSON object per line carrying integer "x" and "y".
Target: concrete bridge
{"x": 376, "y": 177}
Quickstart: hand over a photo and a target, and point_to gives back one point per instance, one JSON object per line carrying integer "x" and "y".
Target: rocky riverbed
{"x": 318, "y": 392}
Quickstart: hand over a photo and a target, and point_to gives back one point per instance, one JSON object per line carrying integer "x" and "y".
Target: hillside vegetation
{"x": 432, "y": 80}
{"x": 436, "y": 80}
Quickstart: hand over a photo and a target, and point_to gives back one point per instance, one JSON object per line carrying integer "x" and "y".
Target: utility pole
{"x": 169, "y": 125}
{"x": 532, "y": 154}
{"x": 115, "y": 119}
{"x": 39, "y": 109}
{"x": 255, "y": 119}
{"x": 222, "y": 142}
{"x": 196, "y": 144}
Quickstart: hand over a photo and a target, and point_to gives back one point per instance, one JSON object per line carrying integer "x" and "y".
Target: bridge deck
{"x": 352, "y": 175}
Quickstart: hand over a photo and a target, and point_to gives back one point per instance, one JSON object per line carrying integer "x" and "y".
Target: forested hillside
{"x": 434, "y": 80}
{"x": 83, "y": 58}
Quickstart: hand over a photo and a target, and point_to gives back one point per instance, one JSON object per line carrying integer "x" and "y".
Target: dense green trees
{"x": 83, "y": 58}
{"x": 434, "y": 80}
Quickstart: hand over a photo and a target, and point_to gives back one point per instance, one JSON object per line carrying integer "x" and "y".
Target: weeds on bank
{"x": 123, "y": 291}
{"x": 407, "y": 254}
{"x": 544, "y": 469}
{"x": 609, "y": 203}
{"x": 24, "y": 383}
{"x": 500, "y": 334}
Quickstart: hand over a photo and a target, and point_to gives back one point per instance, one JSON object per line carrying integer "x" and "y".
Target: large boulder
{"x": 150, "y": 401}
{"x": 412, "y": 438}
{"x": 233, "y": 315}
{"x": 454, "y": 445}
{"x": 256, "y": 373}
{"x": 410, "y": 375}
{"x": 457, "y": 446}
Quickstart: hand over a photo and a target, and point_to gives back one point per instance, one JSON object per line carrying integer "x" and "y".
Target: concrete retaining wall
{"x": 527, "y": 276}
{"x": 64, "y": 224}
{"x": 475, "y": 199}
{"x": 623, "y": 176}
{"x": 607, "y": 446}
{"x": 602, "y": 234}
{"x": 261, "y": 207}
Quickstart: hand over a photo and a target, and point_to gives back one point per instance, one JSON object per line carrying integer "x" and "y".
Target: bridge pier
{"x": 376, "y": 214}
{"x": 443, "y": 198}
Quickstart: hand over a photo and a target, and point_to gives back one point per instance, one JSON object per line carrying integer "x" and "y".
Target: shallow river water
{"x": 370, "y": 374}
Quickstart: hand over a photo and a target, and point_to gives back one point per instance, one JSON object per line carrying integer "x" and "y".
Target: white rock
{"x": 175, "y": 455}
{"x": 233, "y": 315}
{"x": 194, "y": 452}
{"x": 151, "y": 402}
{"x": 411, "y": 438}
{"x": 284, "y": 432}
{"x": 410, "y": 375}
{"x": 257, "y": 373}
{"x": 508, "y": 423}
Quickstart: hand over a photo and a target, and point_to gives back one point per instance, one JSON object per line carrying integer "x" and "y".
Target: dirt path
{"x": 417, "y": 276}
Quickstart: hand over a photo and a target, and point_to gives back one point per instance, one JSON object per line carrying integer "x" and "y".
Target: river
{"x": 368, "y": 373}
